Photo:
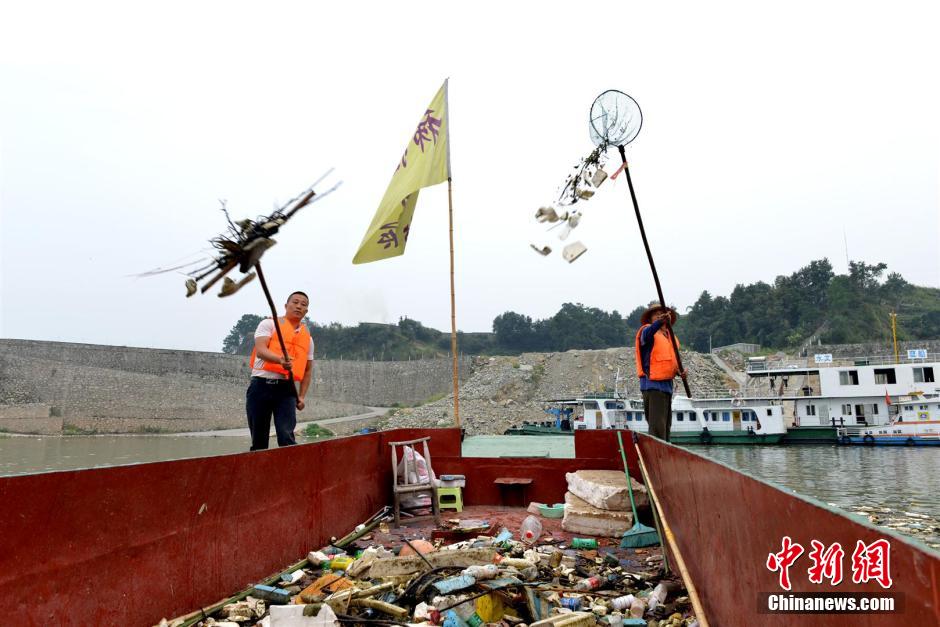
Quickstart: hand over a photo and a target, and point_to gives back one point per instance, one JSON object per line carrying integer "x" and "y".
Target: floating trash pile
{"x": 920, "y": 526}
{"x": 464, "y": 573}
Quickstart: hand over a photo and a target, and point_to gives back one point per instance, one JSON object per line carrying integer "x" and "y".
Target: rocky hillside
{"x": 505, "y": 391}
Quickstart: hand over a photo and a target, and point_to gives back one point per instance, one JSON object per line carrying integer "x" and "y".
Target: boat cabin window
{"x": 923, "y": 375}
{"x": 848, "y": 377}
{"x": 874, "y": 408}
{"x": 613, "y": 405}
{"x": 810, "y": 410}
{"x": 770, "y": 412}
{"x": 679, "y": 416}
{"x": 726, "y": 416}
{"x": 885, "y": 375}
{"x": 847, "y": 410}
{"x": 590, "y": 405}
{"x": 691, "y": 416}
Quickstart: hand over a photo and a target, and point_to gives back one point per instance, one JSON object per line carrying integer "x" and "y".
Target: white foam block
{"x": 582, "y": 518}
{"x": 606, "y": 489}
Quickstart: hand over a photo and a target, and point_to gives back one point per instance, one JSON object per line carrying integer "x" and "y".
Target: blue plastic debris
{"x": 446, "y": 586}
{"x": 451, "y": 619}
{"x": 503, "y": 535}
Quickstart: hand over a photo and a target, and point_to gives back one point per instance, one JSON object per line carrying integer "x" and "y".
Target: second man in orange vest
{"x": 270, "y": 391}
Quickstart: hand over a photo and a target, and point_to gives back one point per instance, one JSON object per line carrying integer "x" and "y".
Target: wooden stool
{"x": 450, "y": 498}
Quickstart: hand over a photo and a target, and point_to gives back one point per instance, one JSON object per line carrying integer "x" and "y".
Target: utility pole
{"x": 894, "y": 334}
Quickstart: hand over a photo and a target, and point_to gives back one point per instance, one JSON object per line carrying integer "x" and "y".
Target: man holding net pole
{"x": 616, "y": 120}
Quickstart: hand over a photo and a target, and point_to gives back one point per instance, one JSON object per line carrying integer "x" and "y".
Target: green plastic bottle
{"x": 583, "y": 543}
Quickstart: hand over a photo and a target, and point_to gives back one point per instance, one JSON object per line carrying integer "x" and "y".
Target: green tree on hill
{"x": 851, "y": 307}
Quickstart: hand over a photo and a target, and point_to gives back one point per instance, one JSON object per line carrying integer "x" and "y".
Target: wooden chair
{"x": 404, "y": 485}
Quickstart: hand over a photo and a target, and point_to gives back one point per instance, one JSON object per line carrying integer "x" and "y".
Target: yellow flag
{"x": 426, "y": 162}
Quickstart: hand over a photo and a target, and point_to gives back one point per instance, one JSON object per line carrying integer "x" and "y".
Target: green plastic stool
{"x": 450, "y": 498}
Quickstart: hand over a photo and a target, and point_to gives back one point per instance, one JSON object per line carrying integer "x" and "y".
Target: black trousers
{"x": 658, "y": 408}
{"x": 264, "y": 398}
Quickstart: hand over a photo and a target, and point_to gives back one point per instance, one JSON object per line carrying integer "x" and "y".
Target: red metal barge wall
{"x": 129, "y": 545}
{"x": 727, "y": 523}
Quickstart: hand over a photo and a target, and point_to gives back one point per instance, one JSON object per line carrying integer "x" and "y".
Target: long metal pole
{"x": 277, "y": 327}
{"x": 453, "y": 305}
{"x": 649, "y": 255}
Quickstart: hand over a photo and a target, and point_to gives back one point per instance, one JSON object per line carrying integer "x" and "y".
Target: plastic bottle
{"x": 468, "y": 614}
{"x": 616, "y": 619}
{"x": 530, "y": 530}
{"x": 657, "y": 596}
{"x": 482, "y": 572}
{"x": 638, "y": 609}
{"x": 583, "y": 543}
{"x": 591, "y": 583}
{"x": 572, "y": 603}
{"x": 621, "y": 603}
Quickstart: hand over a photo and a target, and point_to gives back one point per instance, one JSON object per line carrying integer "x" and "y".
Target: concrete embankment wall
{"x": 45, "y": 386}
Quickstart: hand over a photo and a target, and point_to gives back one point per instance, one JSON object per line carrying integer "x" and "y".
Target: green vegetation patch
{"x": 314, "y": 430}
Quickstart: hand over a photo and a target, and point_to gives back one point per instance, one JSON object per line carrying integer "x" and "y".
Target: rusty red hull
{"x": 130, "y": 545}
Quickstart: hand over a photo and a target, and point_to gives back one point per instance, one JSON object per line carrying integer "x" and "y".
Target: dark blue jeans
{"x": 264, "y": 398}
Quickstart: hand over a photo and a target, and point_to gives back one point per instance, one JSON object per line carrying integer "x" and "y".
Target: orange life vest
{"x": 298, "y": 349}
{"x": 663, "y": 364}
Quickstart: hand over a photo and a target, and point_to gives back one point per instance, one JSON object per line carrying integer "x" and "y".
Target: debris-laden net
{"x": 615, "y": 120}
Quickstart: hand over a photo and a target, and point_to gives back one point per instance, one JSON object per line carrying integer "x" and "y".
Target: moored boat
{"x": 917, "y": 423}
{"x": 694, "y": 421}
{"x": 812, "y": 434}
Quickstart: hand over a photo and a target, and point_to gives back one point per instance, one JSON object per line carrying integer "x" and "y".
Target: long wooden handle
{"x": 649, "y": 256}
{"x": 277, "y": 327}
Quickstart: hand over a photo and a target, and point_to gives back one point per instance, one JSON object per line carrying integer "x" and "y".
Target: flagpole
{"x": 453, "y": 305}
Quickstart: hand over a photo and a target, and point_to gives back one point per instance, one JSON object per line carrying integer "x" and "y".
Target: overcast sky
{"x": 773, "y": 134}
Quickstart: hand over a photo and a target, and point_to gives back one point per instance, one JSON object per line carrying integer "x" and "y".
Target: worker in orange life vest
{"x": 270, "y": 391}
{"x": 656, "y": 366}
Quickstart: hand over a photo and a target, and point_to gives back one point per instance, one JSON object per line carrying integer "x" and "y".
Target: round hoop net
{"x": 615, "y": 119}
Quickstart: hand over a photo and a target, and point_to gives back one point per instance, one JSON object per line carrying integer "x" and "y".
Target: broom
{"x": 638, "y": 535}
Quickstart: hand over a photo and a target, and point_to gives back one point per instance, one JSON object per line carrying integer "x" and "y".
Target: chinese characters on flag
{"x": 425, "y": 162}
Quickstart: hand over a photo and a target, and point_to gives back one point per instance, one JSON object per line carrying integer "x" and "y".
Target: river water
{"x": 898, "y": 488}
